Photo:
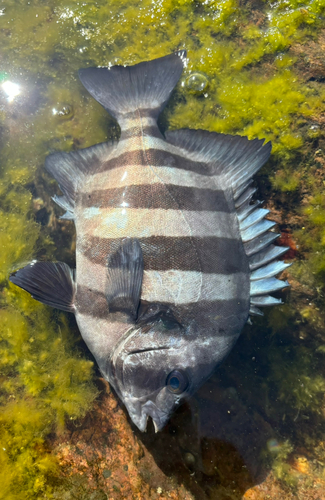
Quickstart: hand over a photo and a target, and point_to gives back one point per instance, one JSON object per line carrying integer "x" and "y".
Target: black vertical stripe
{"x": 139, "y": 131}
{"x": 158, "y": 195}
{"x": 91, "y": 302}
{"x": 208, "y": 255}
{"x": 205, "y": 312}
{"x": 156, "y": 157}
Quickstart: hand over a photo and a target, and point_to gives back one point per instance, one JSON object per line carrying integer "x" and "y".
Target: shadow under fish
{"x": 171, "y": 254}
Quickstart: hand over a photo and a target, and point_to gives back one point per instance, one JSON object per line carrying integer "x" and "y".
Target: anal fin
{"x": 51, "y": 283}
{"x": 124, "y": 278}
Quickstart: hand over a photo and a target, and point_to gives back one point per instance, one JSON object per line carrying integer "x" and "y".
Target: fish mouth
{"x": 140, "y": 414}
{"x": 149, "y": 349}
{"x": 138, "y": 410}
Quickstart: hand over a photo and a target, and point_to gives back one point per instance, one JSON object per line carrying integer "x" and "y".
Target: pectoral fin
{"x": 51, "y": 283}
{"x": 124, "y": 278}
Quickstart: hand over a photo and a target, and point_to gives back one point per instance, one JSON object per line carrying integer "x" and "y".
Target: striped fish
{"x": 172, "y": 256}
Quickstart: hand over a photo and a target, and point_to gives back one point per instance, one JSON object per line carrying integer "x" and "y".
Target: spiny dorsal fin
{"x": 51, "y": 283}
{"x": 262, "y": 255}
{"x": 265, "y": 256}
{"x": 146, "y": 85}
{"x": 64, "y": 203}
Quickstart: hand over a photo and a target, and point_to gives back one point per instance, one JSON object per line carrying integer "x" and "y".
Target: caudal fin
{"x": 146, "y": 85}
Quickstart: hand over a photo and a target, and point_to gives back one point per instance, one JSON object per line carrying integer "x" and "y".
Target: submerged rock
{"x": 102, "y": 457}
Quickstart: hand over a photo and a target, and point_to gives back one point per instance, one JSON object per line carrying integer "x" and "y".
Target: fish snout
{"x": 140, "y": 412}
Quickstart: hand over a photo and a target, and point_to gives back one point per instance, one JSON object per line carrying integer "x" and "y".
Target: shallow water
{"x": 256, "y": 428}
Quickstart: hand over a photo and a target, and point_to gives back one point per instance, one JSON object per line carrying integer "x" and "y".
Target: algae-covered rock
{"x": 103, "y": 458}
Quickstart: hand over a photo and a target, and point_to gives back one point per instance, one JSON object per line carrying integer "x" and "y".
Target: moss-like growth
{"x": 44, "y": 378}
{"x": 293, "y": 372}
{"x": 280, "y": 466}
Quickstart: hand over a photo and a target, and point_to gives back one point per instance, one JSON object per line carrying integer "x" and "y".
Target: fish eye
{"x": 177, "y": 382}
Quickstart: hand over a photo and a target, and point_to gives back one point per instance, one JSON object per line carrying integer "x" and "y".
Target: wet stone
{"x": 107, "y": 473}
{"x": 189, "y": 459}
{"x": 42, "y": 216}
{"x": 98, "y": 495}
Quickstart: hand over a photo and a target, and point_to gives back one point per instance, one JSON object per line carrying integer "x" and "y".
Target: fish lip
{"x": 140, "y": 413}
{"x": 139, "y": 351}
{"x": 141, "y": 423}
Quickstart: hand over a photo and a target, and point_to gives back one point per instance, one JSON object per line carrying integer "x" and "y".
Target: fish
{"x": 172, "y": 255}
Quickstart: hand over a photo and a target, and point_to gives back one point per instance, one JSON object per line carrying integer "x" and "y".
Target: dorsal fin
{"x": 262, "y": 255}
{"x": 236, "y": 158}
{"x": 69, "y": 169}
{"x": 146, "y": 85}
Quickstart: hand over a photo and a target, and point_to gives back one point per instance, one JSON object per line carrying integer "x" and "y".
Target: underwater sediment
{"x": 257, "y": 427}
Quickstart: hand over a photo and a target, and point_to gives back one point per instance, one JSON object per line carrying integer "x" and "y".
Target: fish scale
{"x": 169, "y": 221}
{"x": 170, "y": 216}
{"x": 171, "y": 255}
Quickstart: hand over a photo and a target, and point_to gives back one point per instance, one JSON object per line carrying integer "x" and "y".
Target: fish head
{"x": 152, "y": 369}
{"x": 159, "y": 363}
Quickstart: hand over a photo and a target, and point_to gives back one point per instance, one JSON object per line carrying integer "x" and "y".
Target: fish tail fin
{"x": 145, "y": 86}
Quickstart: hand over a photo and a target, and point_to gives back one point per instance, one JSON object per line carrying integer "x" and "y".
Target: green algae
{"x": 254, "y": 88}
{"x": 256, "y": 105}
{"x": 313, "y": 235}
{"x": 44, "y": 379}
{"x": 281, "y": 468}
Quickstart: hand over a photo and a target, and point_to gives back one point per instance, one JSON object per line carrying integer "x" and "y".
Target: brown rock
{"x": 311, "y": 58}
{"x": 102, "y": 458}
